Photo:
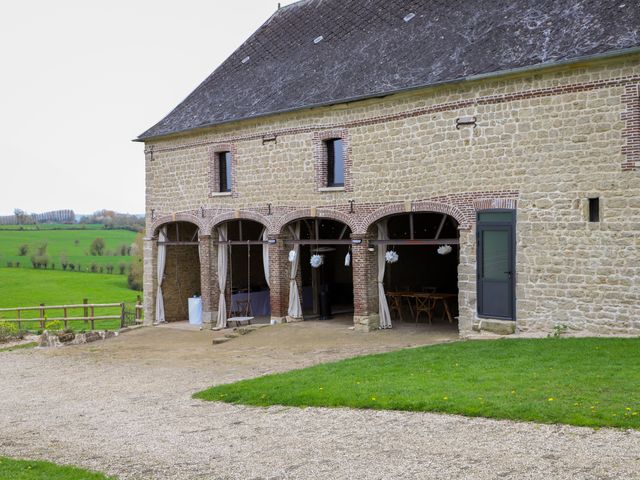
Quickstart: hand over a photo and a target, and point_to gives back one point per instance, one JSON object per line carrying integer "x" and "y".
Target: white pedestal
{"x": 195, "y": 311}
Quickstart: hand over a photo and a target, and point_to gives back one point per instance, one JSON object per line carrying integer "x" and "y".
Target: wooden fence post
{"x": 93, "y": 315}
{"x": 138, "y": 304}
{"x": 42, "y": 314}
{"x": 19, "y": 312}
{"x": 122, "y": 316}
{"x": 86, "y": 311}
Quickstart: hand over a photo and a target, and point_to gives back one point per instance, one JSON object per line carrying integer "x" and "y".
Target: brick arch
{"x": 464, "y": 222}
{"x": 239, "y": 215}
{"x": 497, "y": 203}
{"x": 320, "y": 213}
{"x": 177, "y": 217}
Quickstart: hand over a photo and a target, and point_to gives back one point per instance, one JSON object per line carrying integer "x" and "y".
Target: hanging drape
{"x": 265, "y": 256}
{"x": 295, "y": 308}
{"x": 223, "y": 259}
{"x": 385, "y": 316}
{"x": 162, "y": 259}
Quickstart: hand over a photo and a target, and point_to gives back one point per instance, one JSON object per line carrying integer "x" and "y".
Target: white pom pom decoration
{"x": 292, "y": 256}
{"x": 444, "y": 249}
{"x": 391, "y": 256}
{"x": 347, "y": 259}
{"x": 316, "y": 261}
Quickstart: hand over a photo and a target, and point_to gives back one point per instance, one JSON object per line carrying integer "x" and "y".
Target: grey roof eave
{"x": 470, "y": 78}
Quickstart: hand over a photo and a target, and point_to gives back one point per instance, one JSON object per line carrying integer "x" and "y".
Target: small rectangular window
{"x": 594, "y": 209}
{"x": 224, "y": 171}
{"x": 335, "y": 163}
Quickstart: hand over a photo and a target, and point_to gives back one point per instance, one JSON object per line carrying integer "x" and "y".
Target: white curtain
{"x": 265, "y": 256}
{"x": 223, "y": 259}
{"x": 385, "y": 316}
{"x": 295, "y": 308}
{"x": 162, "y": 259}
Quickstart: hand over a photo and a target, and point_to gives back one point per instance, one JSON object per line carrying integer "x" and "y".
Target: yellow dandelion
{"x": 445, "y": 398}
{"x": 550, "y": 399}
{"x": 513, "y": 392}
{"x": 628, "y": 409}
{"x": 373, "y": 398}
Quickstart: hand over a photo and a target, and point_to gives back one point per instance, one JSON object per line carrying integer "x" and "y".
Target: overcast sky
{"x": 80, "y": 79}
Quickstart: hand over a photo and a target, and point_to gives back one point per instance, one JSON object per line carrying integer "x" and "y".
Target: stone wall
{"x": 181, "y": 281}
{"x": 545, "y": 141}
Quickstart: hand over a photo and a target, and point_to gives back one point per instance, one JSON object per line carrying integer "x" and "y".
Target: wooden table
{"x": 427, "y": 303}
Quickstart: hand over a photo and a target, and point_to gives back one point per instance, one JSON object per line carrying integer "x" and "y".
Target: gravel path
{"x": 124, "y": 407}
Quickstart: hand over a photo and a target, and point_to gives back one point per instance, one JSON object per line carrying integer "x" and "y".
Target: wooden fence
{"x": 88, "y": 316}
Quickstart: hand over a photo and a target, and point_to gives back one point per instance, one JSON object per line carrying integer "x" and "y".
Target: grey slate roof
{"x": 368, "y": 49}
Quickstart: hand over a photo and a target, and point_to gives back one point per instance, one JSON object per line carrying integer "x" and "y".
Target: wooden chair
{"x": 240, "y": 315}
{"x": 424, "y": 304}
{"x": 395, "y": 305}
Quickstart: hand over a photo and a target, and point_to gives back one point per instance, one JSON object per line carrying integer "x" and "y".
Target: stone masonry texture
{"x": 543, "y": 143}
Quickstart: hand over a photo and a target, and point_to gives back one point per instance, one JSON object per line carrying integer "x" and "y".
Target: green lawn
{"x": 589, "y": 382}
{"x": 74, "y": 243}
{"x": 28, "y": 287}
{"x": 11, "y": 469}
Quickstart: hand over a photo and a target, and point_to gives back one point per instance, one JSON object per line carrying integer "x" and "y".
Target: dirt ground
{"x": 124, "y": 407}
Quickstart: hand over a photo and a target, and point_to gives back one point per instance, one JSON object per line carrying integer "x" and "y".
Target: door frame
{"x": 486, "y": 225}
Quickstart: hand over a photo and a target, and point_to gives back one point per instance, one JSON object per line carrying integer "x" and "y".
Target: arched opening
{"x": 247, "y": 268}
{"x": 419, "y": 253}
{"x": 323, "y": 276}
{"x": 178, "y": 272}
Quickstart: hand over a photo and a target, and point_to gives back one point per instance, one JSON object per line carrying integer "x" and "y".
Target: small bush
{"x": 122, "y": 267}
{"x": 134, "y": 279}
{"x": 40, "y": 261}
{"x": 42, "y": 248}
{"x": 64, "y": 261}
{"x": 23, "y": 250}
{"x": 8, "y": 331}
{"x": 109, "y": 268}
{"x": 94, "y": 267}
{"x": 9, "y": 264}
{"x": 97, "y": 247}
{"x": 72, "y": 267}
{"x": 54, "y": 326}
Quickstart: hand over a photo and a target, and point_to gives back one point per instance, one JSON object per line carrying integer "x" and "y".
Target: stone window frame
{"x": 214, "y": 170}
{"x": 320, "y": 159}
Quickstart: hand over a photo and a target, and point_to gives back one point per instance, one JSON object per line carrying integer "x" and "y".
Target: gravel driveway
{"x": 124, "y": 407}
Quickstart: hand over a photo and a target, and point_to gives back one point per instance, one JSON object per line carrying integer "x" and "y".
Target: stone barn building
{"x": 475, "y": 163}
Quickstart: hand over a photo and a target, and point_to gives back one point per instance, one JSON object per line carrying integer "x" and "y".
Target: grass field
{"x": 588, "y": 382}
{"x": 75, "y": 244}
{"x": 29, "y": 287}
{"x": 11, "y": 469}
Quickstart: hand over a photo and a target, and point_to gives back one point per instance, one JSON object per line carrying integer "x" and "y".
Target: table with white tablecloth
{"x": 260, "y": 302}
